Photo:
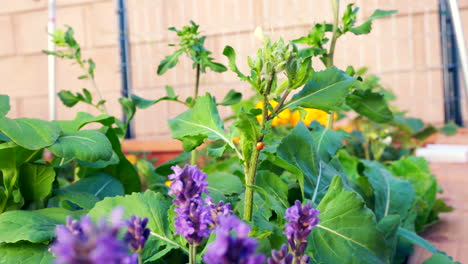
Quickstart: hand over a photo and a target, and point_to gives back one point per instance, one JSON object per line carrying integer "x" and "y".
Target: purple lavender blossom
{"x": 281, "y": 256}
{"x": 187, "y": 183}
{"x": 193, "y": 221}
{"x": 137, "y": 233}
{"x": 82, "y": 242}
{"x": 230, "y": 249}
{"x": 217, "y": 210}
{"x": 302, "y": 219}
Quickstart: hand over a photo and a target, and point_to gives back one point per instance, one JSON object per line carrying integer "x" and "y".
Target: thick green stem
{"x": 251, "y": 169}
{"x": 193, "y": 157}
{"x": 335, "y": 4}
{"x": 192, "y": 254}
{"x": 140, "y": 260}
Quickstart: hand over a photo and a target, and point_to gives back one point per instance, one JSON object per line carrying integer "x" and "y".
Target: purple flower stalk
{"x": 281, "y": 256}
{"x": 137, "y": 233}
{"x": 187, "y": 183}
{"x": 230, "y": 249}
{"x": 217, "y": 210}
{"x": 82, "y": 242}
{"x": 193, "y": 217}
{"x": 301, "y": 221}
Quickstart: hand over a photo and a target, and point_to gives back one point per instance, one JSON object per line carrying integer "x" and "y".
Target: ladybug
{"x": 260, "y": 145}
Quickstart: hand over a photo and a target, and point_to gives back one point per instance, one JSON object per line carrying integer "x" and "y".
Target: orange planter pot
{"x": 160, "y": 150}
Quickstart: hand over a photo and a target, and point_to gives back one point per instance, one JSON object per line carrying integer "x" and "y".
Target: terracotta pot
{"x": 160, "y": 150}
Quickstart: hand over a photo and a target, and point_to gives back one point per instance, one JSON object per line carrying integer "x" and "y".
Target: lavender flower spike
{"x": 193, "y": 221}
{"x": 187, "y": 183}
{"x": 281, "y": 256}
{"x": 217, "y": 210}
{"x": 301, "y": 221}
{"x": 230, "y": 249}
{"x": 137, "y": 233}
{"x": 81, "y": 241}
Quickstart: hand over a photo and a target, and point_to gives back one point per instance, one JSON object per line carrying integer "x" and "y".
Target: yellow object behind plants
{"x": 131, "y": 158}
{"x": 282, "y": 118}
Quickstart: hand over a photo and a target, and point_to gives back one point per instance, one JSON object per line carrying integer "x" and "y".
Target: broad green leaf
{"x": 200, "y": 122}
{"x": 392, "y": 196}
{"x": 21, "y": 225}
{"x": 84, "y": 200}
{"x": 249, "y": 132}
{"x": 416, "y": 171}
{"x": 328, "y": 141}
{"x": 35, "y": 181}
{"x": 347, "y": 231}
{"x": 85, "y": 145}
{"x": 440, "y": 258}
{"x": 325, "y": 90}
{"x": 409, "y": 124}
{"x": 4, "y": 105}
{"x": 143, "y": 103}
{"x": 304, "y": 157}
{"x": 100, "y": 185}
{"x": 148, "y": 204}
{"x": 124, "y": 171}
{"x": 82, "y": 119}
{"x": 276, "y": 189}
{"x": 366, "y": 27}
{"x": 101, "y": 163}
{"x": 371, "y": 105}
{"x": 25, "y": 253}
{"x": 30, "y": 133}
{"x": 424, "y": 134}
{"x": 389, "y": 227}
{"x": 128, "y": 107}
{"x": 59, "y": 214}
{"x": 232, "y": 97}
{"x": 169, "y": 62}
{"x": 152, "y": 180}
{"x": 222, "y": 183}
{"x": 417, "y": 240}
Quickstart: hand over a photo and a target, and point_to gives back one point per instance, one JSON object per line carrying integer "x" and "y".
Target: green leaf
{"x": 25, "y": 253}
{"x": 392, "y": 195}
{"x": 409, "y": 124}
{"x": 129, "y": 109}
{"x": 231, "y": 98}
{"x": 84, "y": 200}
{"x": 4, "y": 105}
{"x": 21, "y": 225}
{"x": 85, "y": 145}
{"x": 304, "y": 157}
{"x": 100, "y": 185}
{"x": 230, "y": 53}
{"x": 35, "y": 181}
{"x": 249, "y": 132}
{"x": 449, "y": 129}
{"x": 169, "y": 62}
{"x": 276, "y": 189}
{"x": 428, "y": 131}
{"x": 201, "y": 121}
{"x": 30, "y": 133}
{"x": 440, "y": 258}
{"x": 82, "y": 119}
{"x": 124, "y": 171}
{"x": 371, "y": 105}
{"x": 68, "y": 98}
{"x": 417, "y": 240}
{"x": 366, "y": 27}
{"x": 328, "y": 141}
{"x": 59, "y": 214}
{"x": 389, "y": 227}
{"x": 223, "y": 183}
{"x": 148, "y": 204}
{"x": 347, "y": 232}
{"x": 143, "y": 103}
{"x": 416, "y": 171}
{"x": 325, "y": 90}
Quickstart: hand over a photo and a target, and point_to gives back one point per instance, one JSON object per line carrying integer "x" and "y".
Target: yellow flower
{"x": 236, "y": 140}
{"x": 282, "y": 118}
{"x": 131, "y": 158}
{"x": 168, "y": 183}
{"x": 347, "y": 128}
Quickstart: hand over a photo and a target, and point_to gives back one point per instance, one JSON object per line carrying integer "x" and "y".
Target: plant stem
{"x": 197, "y": 83}
{"x": 335, "y": 4}
{"x": 140, "y": 260}
{"x": 251, "y": 169}
{"x": 193, "y": 154}
{"x": 192, "y": 254}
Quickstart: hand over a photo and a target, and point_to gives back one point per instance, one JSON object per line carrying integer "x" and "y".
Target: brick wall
{"x": 404, "y": 50}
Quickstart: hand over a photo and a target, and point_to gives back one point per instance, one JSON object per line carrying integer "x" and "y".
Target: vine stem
{"x": 335, "y": 5}
{"x": 193, "y": 154}
{"x": 192, "y": 254}
{"x": 251, "y": 166}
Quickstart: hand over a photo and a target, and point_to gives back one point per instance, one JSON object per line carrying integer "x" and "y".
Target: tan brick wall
{"x": 404, "y": 50}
